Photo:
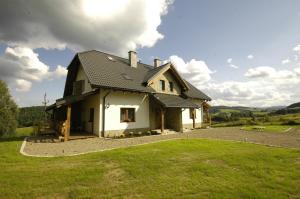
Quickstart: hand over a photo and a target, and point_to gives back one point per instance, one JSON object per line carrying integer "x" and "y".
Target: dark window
{"x": 162, "y": 85}
{"x": 171, "y": 86}
{"x": 127, "y": 115}
{"x": 91, "y": 115}
{"x": 78, "y": 87}
{"x": 192, "y": 111}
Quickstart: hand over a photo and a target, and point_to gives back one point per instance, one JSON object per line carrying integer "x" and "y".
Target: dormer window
{"x": 171, "y": 86}
{"x": 162, "y": 85}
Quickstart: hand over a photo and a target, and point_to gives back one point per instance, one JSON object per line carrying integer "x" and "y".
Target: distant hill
{"x": 217, "y": 109}
{"x": 295, "y": 105}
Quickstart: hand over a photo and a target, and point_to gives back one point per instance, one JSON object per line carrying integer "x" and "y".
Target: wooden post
{"x": 209, "y": 119}
{"x": 68, "y": 124}
{"x": 194, "y": 125}
{"x": 162, "y": 114}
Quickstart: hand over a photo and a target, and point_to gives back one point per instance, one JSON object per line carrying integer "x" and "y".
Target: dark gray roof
{"x": 170, "y": 101}
{"x": 70, "y": 99}
{"x": 193, "y": 92}
{"x": 110, "y": 71}
{"x": 153, "y": 72}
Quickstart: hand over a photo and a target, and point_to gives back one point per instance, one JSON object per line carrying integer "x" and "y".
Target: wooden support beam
{"x": 194, "y": 114}
{"x": 162, "y": 116}
{"x": 68, "y": 124}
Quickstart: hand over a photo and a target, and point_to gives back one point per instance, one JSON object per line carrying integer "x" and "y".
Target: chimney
{"x": 132, "y": 59}
{"x": 157, "y": 62}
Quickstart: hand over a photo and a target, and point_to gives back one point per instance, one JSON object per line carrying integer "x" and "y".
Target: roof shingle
{"x": 110, "y": 71}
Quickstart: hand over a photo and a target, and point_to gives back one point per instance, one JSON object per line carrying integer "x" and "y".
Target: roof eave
{"x": 118, "y": 88}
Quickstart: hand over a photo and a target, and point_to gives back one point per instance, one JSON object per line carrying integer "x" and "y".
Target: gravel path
{"x": 45, "y": 148}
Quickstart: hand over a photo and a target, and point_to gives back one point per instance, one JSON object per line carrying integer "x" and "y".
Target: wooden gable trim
{"x": 162, "y": 71}
{"x": 167, "y": 67}
{"x": 72, "y": 74}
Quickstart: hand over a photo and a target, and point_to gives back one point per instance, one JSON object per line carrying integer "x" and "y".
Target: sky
{"x": 240, "y": 53}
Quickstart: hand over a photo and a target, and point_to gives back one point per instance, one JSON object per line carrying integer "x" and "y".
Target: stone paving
{"x": 46, "y": 147}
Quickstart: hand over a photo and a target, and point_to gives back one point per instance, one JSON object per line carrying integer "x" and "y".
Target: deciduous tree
{"x": 8, "y": 111}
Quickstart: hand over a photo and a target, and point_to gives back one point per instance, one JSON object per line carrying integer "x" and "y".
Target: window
{"x": 192, "y": 111}
{"x": 78, "y": 87}
{"x": 162, "y": 85}
{"x": 91, "y": 115}
{"x": 127, "y": 114}
{"x": 171, "y": 86}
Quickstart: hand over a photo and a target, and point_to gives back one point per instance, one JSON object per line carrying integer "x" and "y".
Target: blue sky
{"x": 238, "y": 52}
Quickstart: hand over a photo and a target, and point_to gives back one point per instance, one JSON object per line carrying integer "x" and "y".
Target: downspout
{"x": 103, "y": 113}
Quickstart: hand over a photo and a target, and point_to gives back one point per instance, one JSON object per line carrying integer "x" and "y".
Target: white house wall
{"x": 199, "y": 114}
{"x": 92, "y": 101}
{"x": 117, "y": 100}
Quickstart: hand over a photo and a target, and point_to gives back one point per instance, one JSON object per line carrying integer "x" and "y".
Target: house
{"x": 108, "y": 95}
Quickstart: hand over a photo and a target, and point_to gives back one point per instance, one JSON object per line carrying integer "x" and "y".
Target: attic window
{"x": 125, "y": 76}
{"x": 110, "y": 58}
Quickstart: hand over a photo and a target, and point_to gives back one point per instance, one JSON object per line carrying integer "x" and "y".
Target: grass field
{"x": 172, "y": 169}
{"x": 269, "y": 128}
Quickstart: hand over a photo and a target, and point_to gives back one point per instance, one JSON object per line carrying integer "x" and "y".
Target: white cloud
{"x": 270, "y": 72}
{"x": 196, "y": 72}
{"x": 297, "y": 49}
{"x": 266, "y": 86}
{"x": 285, "y": 61}
{"x": 229, "y": 60}
{"x": 21, "y": 66}
{"x": 60, "y": 71}
{"x": 297, "y": 71}
{"x": 252, "y": 93}
{"x": 233, "y": 66}
{"x": 23, "y": 85}
{"x": 261, "y": 71}
{"x": 250, "y": 56}
{"x": 82, "y": 24}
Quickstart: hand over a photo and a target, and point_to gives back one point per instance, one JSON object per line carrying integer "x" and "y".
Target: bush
{"x": 290, "y": 122}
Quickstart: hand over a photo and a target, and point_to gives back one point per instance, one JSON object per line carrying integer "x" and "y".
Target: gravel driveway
{"x": 47, "y": 149}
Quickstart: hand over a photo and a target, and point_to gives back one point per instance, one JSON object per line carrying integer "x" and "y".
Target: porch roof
{"x": 174, "y": 101}
{"x": 70, "y": 99}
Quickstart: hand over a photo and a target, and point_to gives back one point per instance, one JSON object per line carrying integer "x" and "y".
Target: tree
{"x": 8, "y": 111}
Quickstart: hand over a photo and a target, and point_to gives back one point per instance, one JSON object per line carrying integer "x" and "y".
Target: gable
{"x": 76, "y": 73}
{"x": 81, "y": 76}
{"x": 167, "y": 77}
{"x": 166, "y": 73}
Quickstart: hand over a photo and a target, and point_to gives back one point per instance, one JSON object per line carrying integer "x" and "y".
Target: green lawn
{"x": 171, "y": 169}
{"x": 24, "y": 131}
{"x": 269, "y": 128}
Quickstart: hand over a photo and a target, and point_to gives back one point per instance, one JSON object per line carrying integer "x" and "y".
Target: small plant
{"x": 148, "y": 133}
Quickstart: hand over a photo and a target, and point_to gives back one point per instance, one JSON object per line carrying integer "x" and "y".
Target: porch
{"x": 166, "y": 112}
{"x": 73, "y": 117}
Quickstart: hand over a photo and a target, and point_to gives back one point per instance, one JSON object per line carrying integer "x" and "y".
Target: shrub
{"x": 290, "y": 122}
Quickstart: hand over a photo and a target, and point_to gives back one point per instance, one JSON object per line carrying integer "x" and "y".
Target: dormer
{"x": 166, "y": 79}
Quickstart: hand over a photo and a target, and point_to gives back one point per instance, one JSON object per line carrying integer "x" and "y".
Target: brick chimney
{"x": 132, "y": 56}
{"x": 157, "y": 62}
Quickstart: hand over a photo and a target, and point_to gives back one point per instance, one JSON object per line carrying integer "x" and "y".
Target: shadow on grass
{"x": 12, "y": 138}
